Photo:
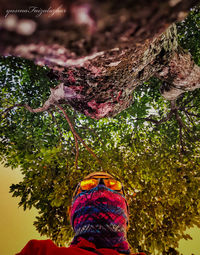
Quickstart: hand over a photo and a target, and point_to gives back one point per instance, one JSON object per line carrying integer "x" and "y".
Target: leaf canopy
{"x": 153, "y": 147}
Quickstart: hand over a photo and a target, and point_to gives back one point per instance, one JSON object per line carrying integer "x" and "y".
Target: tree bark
{"x": 118, "y": 48}
{"x": 181, "y": 74}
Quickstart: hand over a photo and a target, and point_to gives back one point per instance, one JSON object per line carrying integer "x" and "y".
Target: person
{"x": 99, "y": 215}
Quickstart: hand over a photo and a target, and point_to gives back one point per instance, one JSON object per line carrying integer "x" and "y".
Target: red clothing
{"x": 47, "y": 247}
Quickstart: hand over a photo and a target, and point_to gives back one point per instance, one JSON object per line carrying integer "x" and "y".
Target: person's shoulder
{"x": 33, "y": 246}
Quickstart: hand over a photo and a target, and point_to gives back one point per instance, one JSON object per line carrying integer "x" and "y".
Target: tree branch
{"x": 181, "y": 140}
{"x": 169, "y": 115}
{"x": 55, "y": 121}
{"x": 181, "y": 127}
{"x": 60, "y": 92}
{"x": 189, "y": 117}
{"x": 77, "y": 152}
{"x": 76, "y": 135}
{"x": 192, "y": 114}
{"x": 45, "y": 107}
{"x": 6, "y": 111}
{"x": 184, "y": 103}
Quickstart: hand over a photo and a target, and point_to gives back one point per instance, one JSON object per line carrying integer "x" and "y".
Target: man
{"x": 99, "y": 216}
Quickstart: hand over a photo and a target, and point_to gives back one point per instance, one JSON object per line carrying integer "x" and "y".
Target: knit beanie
{"x": 100, "y": 216}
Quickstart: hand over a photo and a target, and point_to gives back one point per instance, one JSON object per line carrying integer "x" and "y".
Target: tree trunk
{"x": 102, "y": 58}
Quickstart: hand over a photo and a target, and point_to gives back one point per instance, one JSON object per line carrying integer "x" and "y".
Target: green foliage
{"x": 157, "y": 158}
{"x": 22, "y": 82}
{"x": 188, "y": 31}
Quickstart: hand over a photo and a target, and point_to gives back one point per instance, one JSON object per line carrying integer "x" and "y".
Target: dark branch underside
{"x": 101, "y": 83}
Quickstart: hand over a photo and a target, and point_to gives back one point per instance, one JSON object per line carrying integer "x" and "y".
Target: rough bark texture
{"x": 101, "y": 62}
{"x": 180, "y": 75}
